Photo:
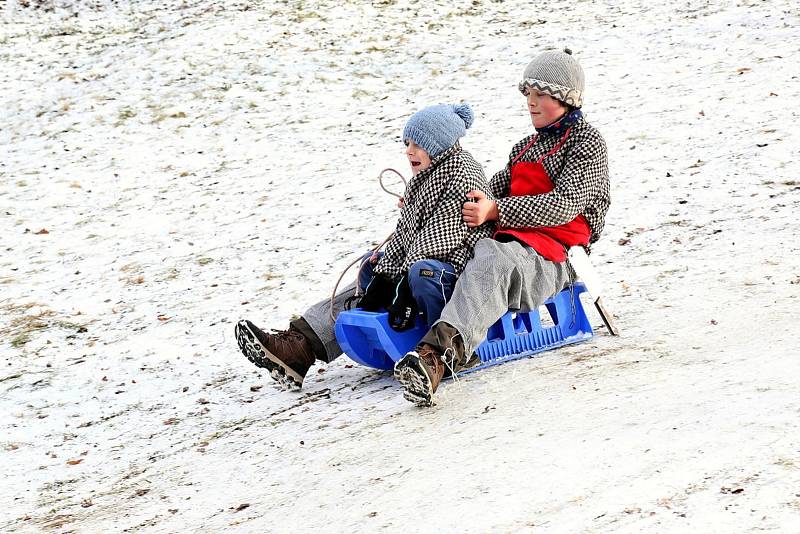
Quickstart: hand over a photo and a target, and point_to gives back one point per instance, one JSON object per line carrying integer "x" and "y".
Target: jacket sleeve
{"x": 445, "y": 231}
{"x": 391, "y": 263}
{"x": 500, "y": 184}
{"x": 585, "y": 169}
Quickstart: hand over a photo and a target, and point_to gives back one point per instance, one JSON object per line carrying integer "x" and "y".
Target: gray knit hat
{"x": 557, "y": 74}
{"x": 437, "y": 128}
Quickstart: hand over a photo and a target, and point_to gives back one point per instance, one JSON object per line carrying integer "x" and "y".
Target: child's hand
{"x": 401, "y": 202}
{"x": 479, "y": 210}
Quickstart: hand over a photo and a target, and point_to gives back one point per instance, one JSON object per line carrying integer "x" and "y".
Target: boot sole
{"x": 417, "y": 387}
{"x": 258, "y": 354}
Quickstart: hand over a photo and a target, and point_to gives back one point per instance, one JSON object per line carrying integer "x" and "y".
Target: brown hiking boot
{"x": 286, "y": 354}
{"x": 420, "y": 373}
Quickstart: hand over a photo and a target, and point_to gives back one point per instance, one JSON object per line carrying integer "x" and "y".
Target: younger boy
{"x": 429, "y": 249}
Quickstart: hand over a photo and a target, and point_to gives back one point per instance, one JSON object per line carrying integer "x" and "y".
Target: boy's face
{"x": 417, "y": 157}
{"x": 544, "y": 109}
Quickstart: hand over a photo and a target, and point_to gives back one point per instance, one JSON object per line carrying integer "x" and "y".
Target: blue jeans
{"x": 431, "y": 283}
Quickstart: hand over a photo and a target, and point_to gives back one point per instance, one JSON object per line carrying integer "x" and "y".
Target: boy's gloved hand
{"x": 403, "y": 311}
{"x": 379, "y": 293}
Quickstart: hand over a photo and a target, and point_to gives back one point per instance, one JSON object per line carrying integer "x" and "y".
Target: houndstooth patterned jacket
{"x": 579, "y": 172}
{"x": 431, "y": 225}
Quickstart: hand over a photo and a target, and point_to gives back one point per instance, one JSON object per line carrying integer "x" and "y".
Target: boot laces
{"x": 430, "y": 356}
{"x": 445, "y": 361}
{"x": 286, "y": 335}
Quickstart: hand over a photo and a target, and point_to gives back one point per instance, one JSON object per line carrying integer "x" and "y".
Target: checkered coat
{"x": 579, "y": 172}
{"x": 431, "y": 225}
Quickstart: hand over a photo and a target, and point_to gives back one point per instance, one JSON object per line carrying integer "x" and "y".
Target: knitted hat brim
{"x": 571, "y": 97}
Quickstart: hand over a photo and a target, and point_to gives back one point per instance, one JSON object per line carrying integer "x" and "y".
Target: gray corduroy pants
{"x": 501, "y": 277}
{"x": 318, "y": 318}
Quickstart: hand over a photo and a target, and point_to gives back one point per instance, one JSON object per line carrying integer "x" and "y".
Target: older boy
{"x": 553, "y": 194}
{"x": 430, "y": 247}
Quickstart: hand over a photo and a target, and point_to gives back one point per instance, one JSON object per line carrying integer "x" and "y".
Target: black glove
{"x": 379, "y": 293}
{"x": 403, "y": 310}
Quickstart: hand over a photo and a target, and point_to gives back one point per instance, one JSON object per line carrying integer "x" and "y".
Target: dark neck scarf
{"x": 561, "y": 125}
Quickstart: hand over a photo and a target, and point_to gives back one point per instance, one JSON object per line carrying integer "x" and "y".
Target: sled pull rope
{"x": 374, "y": 251}
{"x": 380, "y": 180}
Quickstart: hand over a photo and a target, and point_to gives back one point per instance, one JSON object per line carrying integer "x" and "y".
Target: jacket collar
{"x": 455, "y": 149}
{"x": 446, "y": 154}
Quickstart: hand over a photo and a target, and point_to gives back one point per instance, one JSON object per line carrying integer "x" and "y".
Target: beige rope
{"x": 374, "y": 251}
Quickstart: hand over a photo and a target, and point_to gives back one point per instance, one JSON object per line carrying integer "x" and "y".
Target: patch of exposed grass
{"x": 360, "y": 93}
{"x": 133, "y": 274}
{"x": 160, "y": 117}
{"x": 305, "y": 13}
{"x": 171, "y": 274}
{"x": 124, "y": 114}
{"x": 374, "y": 48}
{"x": 20, "y": 340}
{"x": 28, "y": 319}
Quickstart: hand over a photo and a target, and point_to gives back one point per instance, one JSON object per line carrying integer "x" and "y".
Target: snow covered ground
{"x": 167, "y": 168}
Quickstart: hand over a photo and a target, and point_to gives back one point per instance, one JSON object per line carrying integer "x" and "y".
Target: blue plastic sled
{"x": 367, "y": 338}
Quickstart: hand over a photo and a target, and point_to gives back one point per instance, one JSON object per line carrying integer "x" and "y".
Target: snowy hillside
{"x": 167, "y": 168}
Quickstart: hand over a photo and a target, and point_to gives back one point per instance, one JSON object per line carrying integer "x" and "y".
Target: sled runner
{"x": 367, "y": 338}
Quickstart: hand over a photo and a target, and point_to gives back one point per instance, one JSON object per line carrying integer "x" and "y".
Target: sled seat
{"x": 367, "y": 338}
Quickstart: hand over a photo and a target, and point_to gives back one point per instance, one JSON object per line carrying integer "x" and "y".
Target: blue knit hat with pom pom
{"x": 437, "y": 128}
